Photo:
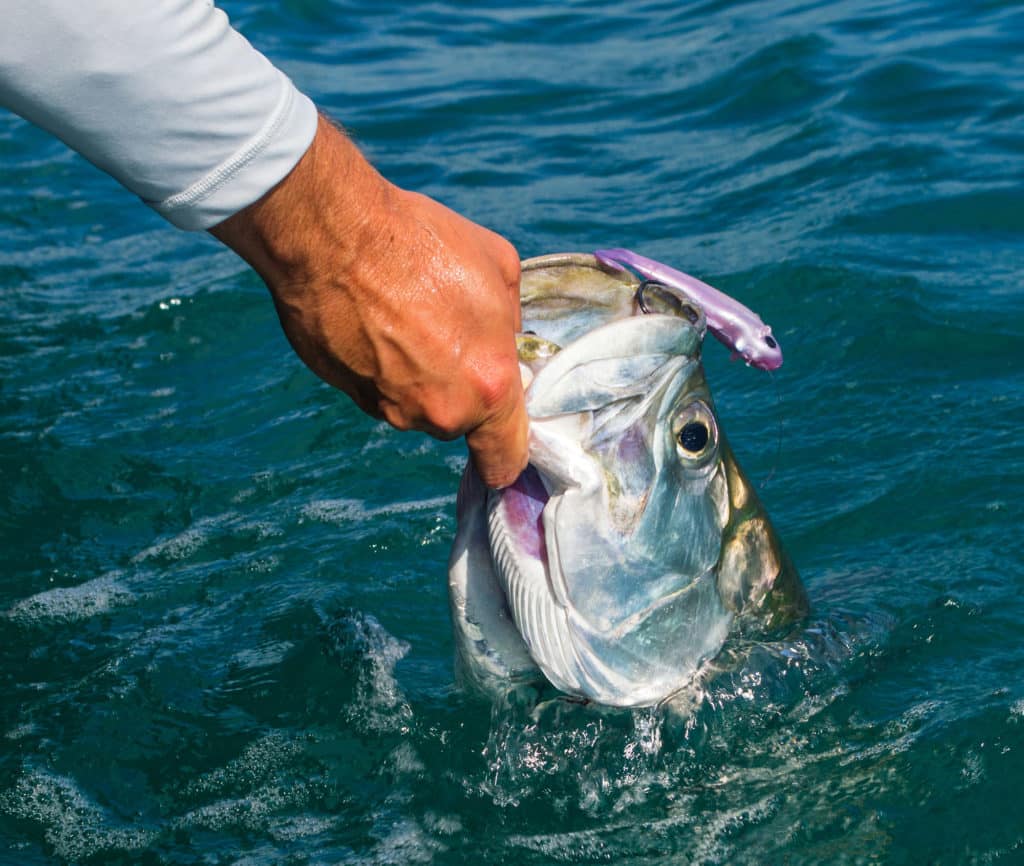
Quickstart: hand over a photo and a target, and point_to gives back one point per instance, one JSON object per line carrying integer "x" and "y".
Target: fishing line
{"x": 778, "y": 445}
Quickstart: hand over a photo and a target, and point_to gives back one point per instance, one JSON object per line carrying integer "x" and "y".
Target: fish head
{"x": 611, "y": 542}
{"x": 624, "y": 438}
{"x": 633, "y": 540}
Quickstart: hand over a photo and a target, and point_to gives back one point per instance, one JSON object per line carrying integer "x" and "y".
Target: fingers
{"x": 511, "y": 270}
{"x": 516, "y": 309}
{"x": 499, "y": 251}
{"x": 498, "y": 446}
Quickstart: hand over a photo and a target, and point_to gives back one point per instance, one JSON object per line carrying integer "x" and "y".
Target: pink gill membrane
{"x": 523, "y": 503}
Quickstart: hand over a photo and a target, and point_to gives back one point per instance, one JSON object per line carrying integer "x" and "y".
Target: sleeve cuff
{"x": 255, "y": 168}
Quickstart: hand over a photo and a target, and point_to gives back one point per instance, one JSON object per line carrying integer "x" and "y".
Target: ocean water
{"x": 224, "y": 634}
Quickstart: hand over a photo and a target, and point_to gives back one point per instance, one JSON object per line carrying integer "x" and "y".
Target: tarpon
{"x": 633, "y": 544}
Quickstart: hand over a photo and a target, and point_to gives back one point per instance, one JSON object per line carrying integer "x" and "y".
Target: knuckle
{"x": 445, "y": 425}
{"x": 444, "y": 419}
{"x": 496, "y": 384}
{"x": 510, "y": 264}
{"x": 395, "y": 415}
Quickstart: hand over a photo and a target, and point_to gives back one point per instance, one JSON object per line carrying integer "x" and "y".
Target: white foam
{"x": 264, "y": 773}
{"x": 335, "y": 510}
{"x": 585, "y": 844}
{"x": 260, "y": 759}
{"x": 19, "y": 732}
{"x": 263, "y": 529}
{"x": 302, "y": 827}
{"x": 446, "y": 825}
{"x": 404, "y": 842}
{"x": 404, "y": 759}
{"x": 355, "y": 510}
{"x": 256, "y": 811}
{"x": 456, "y": 463}
{"x": 72, "y": 603}
{"x": 185, "y": 543}
{"x": 75, "y": 826}
{"x": 263, "y": 565}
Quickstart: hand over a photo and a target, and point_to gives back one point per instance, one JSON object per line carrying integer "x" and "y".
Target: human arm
{"x": 388, "y": 295}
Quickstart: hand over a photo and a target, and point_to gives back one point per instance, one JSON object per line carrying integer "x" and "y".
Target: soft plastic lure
{"x": 733, "y": 324}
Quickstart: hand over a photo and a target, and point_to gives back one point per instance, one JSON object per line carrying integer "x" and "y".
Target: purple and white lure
{"x": 733, "y": 324}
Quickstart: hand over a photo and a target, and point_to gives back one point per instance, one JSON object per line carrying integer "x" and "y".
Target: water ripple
{"x": 223, "y": 623}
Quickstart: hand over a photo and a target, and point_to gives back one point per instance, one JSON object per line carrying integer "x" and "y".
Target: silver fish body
{"x": 622, "y": 558}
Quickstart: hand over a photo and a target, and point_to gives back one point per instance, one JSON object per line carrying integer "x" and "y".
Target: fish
{"x": 736, "y": 326}
{"x": 633, "y": 545}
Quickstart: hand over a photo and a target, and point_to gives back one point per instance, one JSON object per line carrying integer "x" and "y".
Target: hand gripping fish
{"x": 738, "y": 327}
{"x": 633, "y": 545}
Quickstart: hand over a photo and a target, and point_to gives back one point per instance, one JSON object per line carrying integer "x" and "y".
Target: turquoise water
{"x": 224, "y": 634}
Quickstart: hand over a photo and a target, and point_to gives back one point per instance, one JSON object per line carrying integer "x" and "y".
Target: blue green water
{"x": 224, "y": 634}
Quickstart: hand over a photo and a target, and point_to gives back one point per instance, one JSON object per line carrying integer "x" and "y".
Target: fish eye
{"x": 770, "y": 342}
{"x": 694, "y": 436}
{"x": 696, "y": 432}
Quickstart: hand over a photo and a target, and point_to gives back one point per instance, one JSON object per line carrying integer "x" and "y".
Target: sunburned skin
{"x": 733, "y": 324}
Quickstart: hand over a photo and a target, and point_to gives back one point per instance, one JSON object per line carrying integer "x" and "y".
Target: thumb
{"x": 498, "y": 446}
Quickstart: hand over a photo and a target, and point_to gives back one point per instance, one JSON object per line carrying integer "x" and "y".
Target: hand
{"x": 398, "y": 301}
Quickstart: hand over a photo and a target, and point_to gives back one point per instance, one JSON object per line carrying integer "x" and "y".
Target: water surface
{"x": 224, "y": 634}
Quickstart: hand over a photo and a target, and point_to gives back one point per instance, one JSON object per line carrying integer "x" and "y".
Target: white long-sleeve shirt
{"x": 162, "y": 94}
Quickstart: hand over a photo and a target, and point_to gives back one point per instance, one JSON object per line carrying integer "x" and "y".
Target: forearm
{"x": 333, "y": 195}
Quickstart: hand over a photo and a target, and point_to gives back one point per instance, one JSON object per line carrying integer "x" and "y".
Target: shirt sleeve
{"x": 161, "y": 94}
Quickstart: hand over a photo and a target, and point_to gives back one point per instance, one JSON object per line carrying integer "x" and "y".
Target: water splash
{"x": 368, "y": 654}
